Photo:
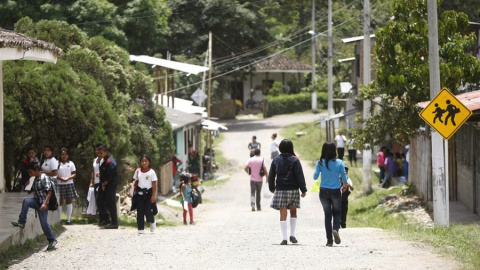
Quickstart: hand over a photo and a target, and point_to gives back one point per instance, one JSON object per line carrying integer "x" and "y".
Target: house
{"x": 278, "y": 68}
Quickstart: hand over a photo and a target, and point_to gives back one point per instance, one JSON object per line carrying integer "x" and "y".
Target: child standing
{"x": 391, "y": 165}
{"x": 346, "y": 190}
{"x": 42, "y": 192}
{"x": 66, "y": 173}
{"x": 186, "y": 192}
{"x": 146, "y": 182}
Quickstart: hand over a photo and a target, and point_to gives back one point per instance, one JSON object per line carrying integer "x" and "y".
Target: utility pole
{"x": 330, "y": 60}
{"x": 314, "y": 92}
{"x": 439, "y": 175}
{"x": 367, "y": 152}
{"x": 209, "y": 94}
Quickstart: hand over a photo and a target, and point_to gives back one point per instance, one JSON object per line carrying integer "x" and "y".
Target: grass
{"x": 457, "y": 241}
{"x": 17, "y": 253}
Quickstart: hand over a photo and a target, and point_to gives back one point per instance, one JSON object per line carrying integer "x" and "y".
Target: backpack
{"x": 195, "y": 199}
{"x": 53, "y": 202}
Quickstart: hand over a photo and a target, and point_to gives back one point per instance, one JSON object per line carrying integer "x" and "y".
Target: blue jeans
{"x": 331, "y": 200}
{"x": 42, "y": 216}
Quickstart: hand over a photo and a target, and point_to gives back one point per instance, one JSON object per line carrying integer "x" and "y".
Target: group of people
{"x": 286, "y": 181}
{"x": 340, "y": 142}
{"x": 391, "y": 165}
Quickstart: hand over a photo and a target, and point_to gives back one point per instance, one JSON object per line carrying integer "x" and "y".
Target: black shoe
{"x": 111, "y": 226}
{"x": 253, "y": 208}
{"x": 68, "y": 223}
{"x": 283, "y": 243}
{"x": 343, "y": 226}
{"x": 259, "y": 209}
{"x": 51, "y": 245}
{"x": 293, "y": 239}
{"x": 18, "y": 224}
{"x": 336, "y": 236}
{"x": 103, "y": 223}
{"x": 329, "y": 243}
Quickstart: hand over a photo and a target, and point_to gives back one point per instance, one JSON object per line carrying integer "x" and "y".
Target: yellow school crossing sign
{"x": 445, "y": 113}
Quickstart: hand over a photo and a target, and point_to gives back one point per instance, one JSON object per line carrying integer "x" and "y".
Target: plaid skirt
{"x": 285, "y": 199}
{"x": 66, "y": 191}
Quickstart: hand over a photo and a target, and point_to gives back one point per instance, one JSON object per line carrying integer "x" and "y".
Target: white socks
{"x": 60, "y": 212}
{"x": 69, "y": 211}
{"x": 293, "y": 225}
{"x": 283, "y": 225}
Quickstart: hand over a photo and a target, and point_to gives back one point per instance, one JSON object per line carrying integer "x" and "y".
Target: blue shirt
{"x": 330, "y": 175}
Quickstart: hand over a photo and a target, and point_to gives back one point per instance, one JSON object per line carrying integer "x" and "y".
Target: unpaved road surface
{"x": 229, "y": 236}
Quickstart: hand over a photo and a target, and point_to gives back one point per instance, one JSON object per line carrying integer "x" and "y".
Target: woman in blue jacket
{"x": 330, "y": 195}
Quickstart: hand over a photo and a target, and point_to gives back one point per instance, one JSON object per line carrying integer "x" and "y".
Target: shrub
{"x": 284, "y": 104}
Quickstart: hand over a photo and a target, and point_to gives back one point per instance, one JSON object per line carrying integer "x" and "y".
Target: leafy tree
{"x": 402, "y": 71}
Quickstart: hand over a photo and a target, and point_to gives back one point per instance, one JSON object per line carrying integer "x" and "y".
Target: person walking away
{"x": 330, "y": 194}
{"x": 352, "y": 151}
{"x": 381, "y": 155}
{"x": 95, "y": 179}
{"x": 391, "y": 165}
{"x": 175, "y": 164}
{"x": 31, "y": 157}
{"x": 186, "y": 192}
{"x": 108, "y": 188}
{"x": 253, "y": 167}
{"x": 285, "y": 178}
{"x": 42, "y": 192}
{"x": 66, "y": 173}
{"x": 274, "y": 152}
{"x": 253, "y": 145}
{"x": 340, "y": 144}
{"x": 50, "y": 168}
{"x": 346, "y": 191}
{"x": 146, "y": 182}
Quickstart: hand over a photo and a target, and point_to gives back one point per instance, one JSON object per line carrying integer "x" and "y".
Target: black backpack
{"x": 53, "y": 202}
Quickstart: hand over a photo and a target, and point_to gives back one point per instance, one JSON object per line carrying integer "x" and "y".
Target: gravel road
{"x": 227, "y": 235}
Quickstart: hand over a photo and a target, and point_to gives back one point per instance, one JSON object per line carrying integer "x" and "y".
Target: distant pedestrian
{"x": 176, "y": 162}
{"x": 253, "y": 167}
{"x": 253, "y": 145}
{"x": 381, "y": 155}
{"x": 95, "y": 178}
{"x": 66, "y": 173}
{"x": 352, "y": 150}
{"x": 284, "y": 180}
{"x": 346, "y": 191}
{"x": 107, "y": 205}
{"x": 31, "y": 157}
{"x": 187, "y": 199}
{"x": 340, "y": 144}
{"x": 50, "y": 168}
{"x": 406, "y": 161}
{"x": 330, "y": 194}
{"x": 392, "y": 168}
{"x": 42, "y": 192}
{"x": 145, "y": 180}
{"x": 274, "y": 152}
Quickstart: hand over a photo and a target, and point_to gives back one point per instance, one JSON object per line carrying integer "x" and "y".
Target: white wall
{"x": 256, "y": 84}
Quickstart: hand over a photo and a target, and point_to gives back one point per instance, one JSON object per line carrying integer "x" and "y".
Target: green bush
{"x": 284, "y": 104}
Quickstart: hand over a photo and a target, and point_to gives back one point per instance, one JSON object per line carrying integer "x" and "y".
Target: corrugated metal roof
{"x": 471, "y": 100}
{"x": 179, "y": 119}
{"x": 280, "y": 63}
{"x": 187, "y": 68}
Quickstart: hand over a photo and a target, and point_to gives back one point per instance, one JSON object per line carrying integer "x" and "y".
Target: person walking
{"x": 66, "y": 173}
{"x": 330, "y": 194}
{"x": 187, "y": 200}
{"x": 285, "y": 178}
{"x": 254, "y": 145}
{"x": 274, "y": 152}
{"x": 340, "y": 144}
{"x": 254, "y": 167}
{"x": 352, "y": 151}
{"x": 145, "y": 180}
{"x": 107, "y": 191}
{"x": 50, "y": 168}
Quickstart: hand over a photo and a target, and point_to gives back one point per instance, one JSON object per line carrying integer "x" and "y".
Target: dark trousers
{"x": 255, "y": 196}
{"x": 331, "y": 200}
{"x": 352, "y": 155}
{"x": 144, "y": 210}
{"x": 343, "y": 218}
{"x": 107, "y": 205}
{"x": 381, "y": 176}
{"x": 341, "y": 152}
{"x": 42, "y": 216}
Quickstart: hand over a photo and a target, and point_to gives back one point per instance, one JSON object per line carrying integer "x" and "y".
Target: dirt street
{"x": 228, "y": 235}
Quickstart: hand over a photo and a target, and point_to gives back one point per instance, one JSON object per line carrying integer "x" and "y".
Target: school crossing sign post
{"x": 445, "y": 113}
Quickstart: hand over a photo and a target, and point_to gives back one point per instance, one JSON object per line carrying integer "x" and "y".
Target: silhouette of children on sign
{"x": 452, "y": 110}
{"x": 438, "y": 113}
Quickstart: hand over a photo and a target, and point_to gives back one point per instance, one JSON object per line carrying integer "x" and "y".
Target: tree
{"x": 401, "y": 55}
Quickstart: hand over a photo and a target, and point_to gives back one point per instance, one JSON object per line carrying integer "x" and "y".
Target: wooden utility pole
{"x": 439, "y": 166}
{"x": 210, "y": 94}
{"x": 314, "y": 77}
{"x": 367, "y": 152}
{"x": 330, "y": 60}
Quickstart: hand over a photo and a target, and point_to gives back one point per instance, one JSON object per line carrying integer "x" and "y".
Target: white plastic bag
{"x": 266, "y": 192}
{"x": 132, "y": 189}
{"x": 185, "y": 205}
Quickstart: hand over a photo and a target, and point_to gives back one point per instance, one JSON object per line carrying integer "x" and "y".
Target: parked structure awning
{"x": 211, "y": 125}
{"x": 187, "y": 68}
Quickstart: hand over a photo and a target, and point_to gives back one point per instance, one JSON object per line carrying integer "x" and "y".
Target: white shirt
{"x": 340, "y": 139}
{"x": 350, "y": 144}
{"x": 65, "y": 170}
{"x": 50, "y": 165}
{"x": 145, "y": 179}
{"x": 274, "y": 146}
{"x": 96, "y": 171}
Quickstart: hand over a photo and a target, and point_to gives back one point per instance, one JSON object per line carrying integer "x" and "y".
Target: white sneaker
{"x": 141, "y": 231}
{"x": 153, "y": 226}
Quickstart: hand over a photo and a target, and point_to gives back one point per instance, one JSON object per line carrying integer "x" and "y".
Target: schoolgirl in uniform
{"x": 66, "y": 187}
{"x": 145, "y": 180}
{"x": 186, "y": 192}
{"x": 50, "y": 168}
